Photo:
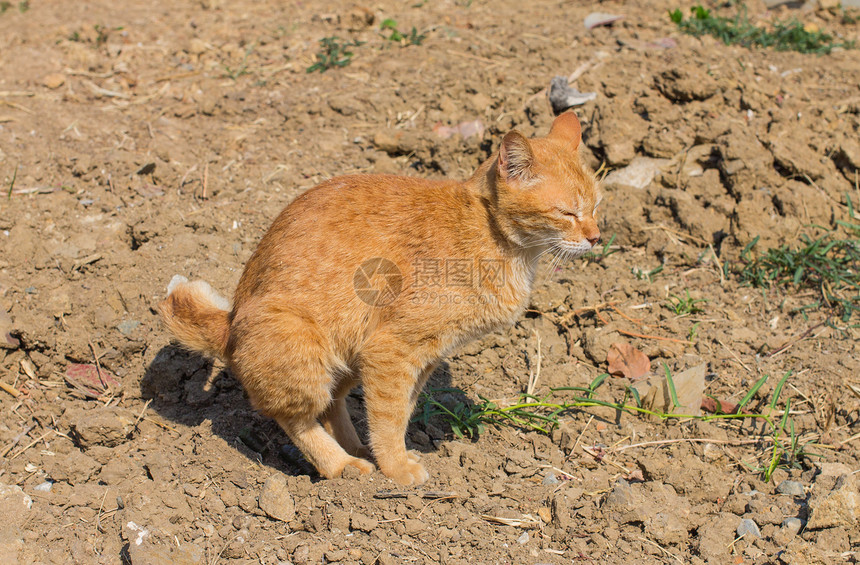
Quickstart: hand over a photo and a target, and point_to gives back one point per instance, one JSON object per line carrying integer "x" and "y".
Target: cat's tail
{"x": 196, "y": 316}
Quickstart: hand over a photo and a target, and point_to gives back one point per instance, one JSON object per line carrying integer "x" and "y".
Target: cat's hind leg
{"x": 286, "y": 364}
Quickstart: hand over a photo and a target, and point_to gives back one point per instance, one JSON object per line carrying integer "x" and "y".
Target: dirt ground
{"x": 162, "y": 138}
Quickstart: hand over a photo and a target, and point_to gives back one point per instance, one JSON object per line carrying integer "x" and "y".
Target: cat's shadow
{"x": 189, "y": 389}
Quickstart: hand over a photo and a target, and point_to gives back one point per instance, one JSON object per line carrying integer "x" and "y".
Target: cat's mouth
{"x": 571, "y": 249}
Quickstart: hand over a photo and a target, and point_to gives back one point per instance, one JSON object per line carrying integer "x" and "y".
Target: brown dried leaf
{"x": 627, "y": 361}
{"x": 725, "y": 407}
{"x": 91, "y": 381}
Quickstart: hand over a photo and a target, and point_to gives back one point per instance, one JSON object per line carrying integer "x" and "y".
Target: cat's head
{"x": 544, "y": 198}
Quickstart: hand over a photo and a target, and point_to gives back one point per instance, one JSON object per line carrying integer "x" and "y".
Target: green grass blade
{"x": 597, "y": 382}
{"x": 778, "y": 390}
{"x": 634, "y": 392}
{"x": 752, "y": 392}
{"x": 671, "y": 383}
{"x": 785, "y": 415}
{"x": 12, "y": 184}
{"x": 749, "y": 246}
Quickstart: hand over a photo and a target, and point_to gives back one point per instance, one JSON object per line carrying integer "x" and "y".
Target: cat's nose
{"x": 593, "y": 240}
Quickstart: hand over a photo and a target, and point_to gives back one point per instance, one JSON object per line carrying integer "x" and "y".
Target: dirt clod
{"x": 276, "y": 500}
{"x": 107, "y": 427}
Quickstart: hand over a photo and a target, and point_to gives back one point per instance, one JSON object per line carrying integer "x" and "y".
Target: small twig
{"x": 566, "y": 319}
{"x": 185, "y": 176}
{"x": 626, "y": 317}
{"x": 205, "y": 180}
{"x": 719, "y": 264}
{"x": 10, "y": 389}
{"x": 850, "y": 439}
{"x": 693, "y": 440}
{"x": 99, "y": 515}
{"x": 16, "y": 440}
{"x": 576, "y": 443}
{"x": 784, "y": 347}
{"x": 96, "y": 89}
{"x": 678, "y": 233}
{"x": 534, "y": 376}
{"x": 32, "y": 443}
{"x": 142, "y": 412}
{"x": 435, "y": 500}
{"x": 645, "y": 336}
{"x": 605, "y": 459}
{"x": 98, "y": 366}
{"x": 663, "y": 549}
{"x": 162, "y": 425}
{"x": 735, "y": 355}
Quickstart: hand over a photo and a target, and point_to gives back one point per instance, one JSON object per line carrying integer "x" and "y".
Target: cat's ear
{"x": 515, "y": 158}
{"x": 567, "y": 127}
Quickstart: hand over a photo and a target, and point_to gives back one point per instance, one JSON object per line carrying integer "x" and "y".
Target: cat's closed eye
{"x": 569, "y": 213}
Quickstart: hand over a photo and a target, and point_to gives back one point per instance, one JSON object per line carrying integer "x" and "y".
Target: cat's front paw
{"x": 408, "y": 473}
{"x": 413, "y": 455}
{"x": 364, "y": 466}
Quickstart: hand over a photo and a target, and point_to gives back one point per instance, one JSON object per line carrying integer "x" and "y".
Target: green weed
{"x": 12, "y": 184}
{"x": 543, "y": 413}
{"x": 686, "y": 305}
{"x": 411, "y": 38}
{"x": 828, "y": 266}
{"x": 333, "y": 53}
{"x": 22, "y": 6}
{"x": 693, "y": 333}
{"x": 787, "y": 35}
{"x": 605, "y": 252}
{"x": 242, "y": 69}
{"x": 643, "y": 275}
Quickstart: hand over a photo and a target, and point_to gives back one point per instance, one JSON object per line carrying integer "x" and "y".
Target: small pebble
{"x": 523, "y": 539}
{"x": 550, "y": 479}
{"x": 44, "y": 487}
{"x": 127, "y": 327}
{"x": 792, "y": 488}
{"x": 748, "y": 527}
{"x": 793, "y": 525}
{"x": 54, "y": 80}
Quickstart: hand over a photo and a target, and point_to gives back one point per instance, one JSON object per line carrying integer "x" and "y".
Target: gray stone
{"x": 792, "y": 525}
{"x": 791, "y": 488}
{"x": 550, "y": 479}
{"x": 127, "y": 327}
{"x": 638, "y": 174}
{"x": 276, "y": 500}
{"x": 563, "y": 96}
{"x": 748, "y": 528}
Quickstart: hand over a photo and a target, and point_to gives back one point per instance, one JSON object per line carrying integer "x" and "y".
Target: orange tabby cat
{"x": 372, "y": 280}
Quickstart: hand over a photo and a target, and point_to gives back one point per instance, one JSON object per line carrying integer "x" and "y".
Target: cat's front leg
{"x": 390, "y": 385}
